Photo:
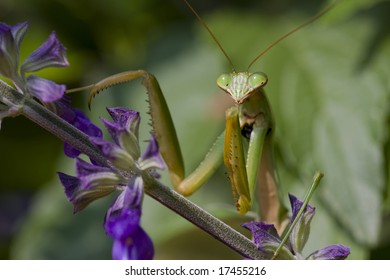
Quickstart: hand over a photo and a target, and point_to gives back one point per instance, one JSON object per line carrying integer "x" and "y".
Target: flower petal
{"x": 93, "y": 176}
{"x": 125, "y": 212}
{"x": 131, "y": 197}
{"x": 301, "y": 231}
{"x": 9, "y": 52}
{"x": 122, "y": 223}
{"x": 45, "y": 90}
{"x": 262, "y": 231}
{"x": 125, "y": 118}
{"x": 134, "y": 192}
{"x": 113, "y": 129}
{"x": 50, "y": 54}
{"x": 296, "y": 205}
{"x": 77, "y": 119}
{"x": 331, "y": 252}
{"x": 119, "y": 157}
{"x": 78, "y": 195}
{"x": 18, "y": 31}
{"x": 82, "y": 122}
{"x": 123, "y": 137}
{"x": 71, "y": 152}
{"x": 267, "y": 240}
{"x": 70, "y": 184}
{"x": 138, "y": 246}
{"x": 151, "y": 158}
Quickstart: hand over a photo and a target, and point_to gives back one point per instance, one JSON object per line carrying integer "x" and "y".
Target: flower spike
{"x": 122, "y": 221}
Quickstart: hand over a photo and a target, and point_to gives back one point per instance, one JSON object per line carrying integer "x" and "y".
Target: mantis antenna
{"x": 211, "y": 33}
{"x": 310, "y": 20}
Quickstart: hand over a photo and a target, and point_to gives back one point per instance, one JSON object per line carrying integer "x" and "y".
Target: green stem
{"x": 163, "y": 194}
{"x": 317, "y": 178}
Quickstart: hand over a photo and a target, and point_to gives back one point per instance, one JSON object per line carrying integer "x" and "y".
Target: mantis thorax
{"x": 241, "y": 85}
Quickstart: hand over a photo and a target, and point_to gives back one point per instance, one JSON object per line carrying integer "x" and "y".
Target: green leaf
{"x": 347, "y": 8}
{"x": 342, "y": 123}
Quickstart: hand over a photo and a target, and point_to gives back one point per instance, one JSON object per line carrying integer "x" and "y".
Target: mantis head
{"x": 241, "y": 85}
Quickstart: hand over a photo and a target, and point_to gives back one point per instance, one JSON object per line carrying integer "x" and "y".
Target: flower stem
{"x": 163, "y": 194}
{"x": 51, "y": 122}
{"x": 202, "y": 219}
{"x": 317, "y": 178}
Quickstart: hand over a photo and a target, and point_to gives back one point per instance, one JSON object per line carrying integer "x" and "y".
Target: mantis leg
{"x": 165, "y": 133}
{"x": 256, "y": 171}
{"x": 263, "y": 177}
{"x": 271, "y": 208}
{"x": 234, "y": 158}
{"x": 255, "y": 150}
{"x": 243, "y": 172}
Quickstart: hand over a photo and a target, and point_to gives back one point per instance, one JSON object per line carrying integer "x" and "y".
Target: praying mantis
{"x": 244, "y": 147}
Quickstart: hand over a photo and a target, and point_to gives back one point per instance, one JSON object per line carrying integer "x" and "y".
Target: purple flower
{"x": 45, "y": 90}
{"x": 92, "y": 182}
{"x": 122, "y": 221}
{"x": 332, "y": 252}
{"x": 138, "y": 246}
{"x": 79, "y": 120}
{"x": 10, "y": 38}
{"x": 124, "y": 152}
{"x": 50, "y": 54}
{"x": 76, "y": 118}
{"x": 267, "y": 239}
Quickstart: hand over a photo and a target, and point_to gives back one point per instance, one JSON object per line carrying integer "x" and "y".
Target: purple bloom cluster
{"x": 50, "y": 54}
{"x": 267, "y": 239}
{"x": 122, "y": 221}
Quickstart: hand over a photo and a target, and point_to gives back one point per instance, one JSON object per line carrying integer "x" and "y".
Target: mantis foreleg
{"x": 262, "y": 173}
{"x": 165, "y": 133}
{"x": 234, "y": 158}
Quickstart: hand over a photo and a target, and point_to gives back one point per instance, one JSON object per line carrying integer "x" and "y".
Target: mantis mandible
{"x": 249, "y": 120}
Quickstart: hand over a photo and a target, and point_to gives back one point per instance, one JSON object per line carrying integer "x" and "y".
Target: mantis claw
{"x": 113, "y": 80}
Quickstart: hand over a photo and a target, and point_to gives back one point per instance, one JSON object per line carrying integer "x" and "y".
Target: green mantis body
{"x": 250, "y": 116}
{"x": 245, "y": 147}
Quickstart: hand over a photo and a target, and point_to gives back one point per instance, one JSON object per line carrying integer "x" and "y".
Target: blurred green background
{"x": 329, "y": 89}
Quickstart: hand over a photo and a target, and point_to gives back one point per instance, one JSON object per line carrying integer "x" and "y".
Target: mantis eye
{"x": 257, "y": 79}
{"x": 224, "y": 80}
